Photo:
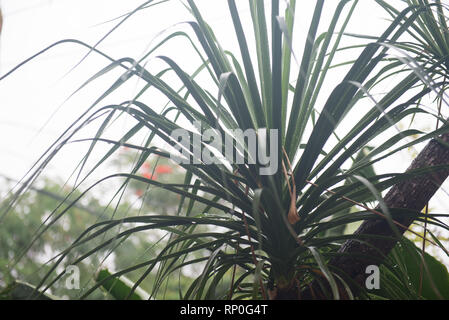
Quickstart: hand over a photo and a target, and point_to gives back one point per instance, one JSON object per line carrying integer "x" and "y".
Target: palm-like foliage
{"x": 268, "y": 236}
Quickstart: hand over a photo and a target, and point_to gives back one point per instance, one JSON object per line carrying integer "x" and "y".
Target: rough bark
{"x": 412, "y": 194}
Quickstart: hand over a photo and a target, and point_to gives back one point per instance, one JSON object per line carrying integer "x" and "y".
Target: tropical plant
{"x": 268, "y": 235}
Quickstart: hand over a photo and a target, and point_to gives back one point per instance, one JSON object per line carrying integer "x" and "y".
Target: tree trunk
{"x": 412, "y": 194}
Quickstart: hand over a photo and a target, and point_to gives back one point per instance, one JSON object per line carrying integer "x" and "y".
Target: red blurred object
{"x": 162, "y": 169}
{"x": 149, "y": 176}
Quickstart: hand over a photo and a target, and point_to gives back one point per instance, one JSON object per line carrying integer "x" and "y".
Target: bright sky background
{"x": 34, "y": 94}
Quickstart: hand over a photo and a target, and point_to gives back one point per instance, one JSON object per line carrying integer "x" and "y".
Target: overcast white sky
{"x": 30, "y": 96}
